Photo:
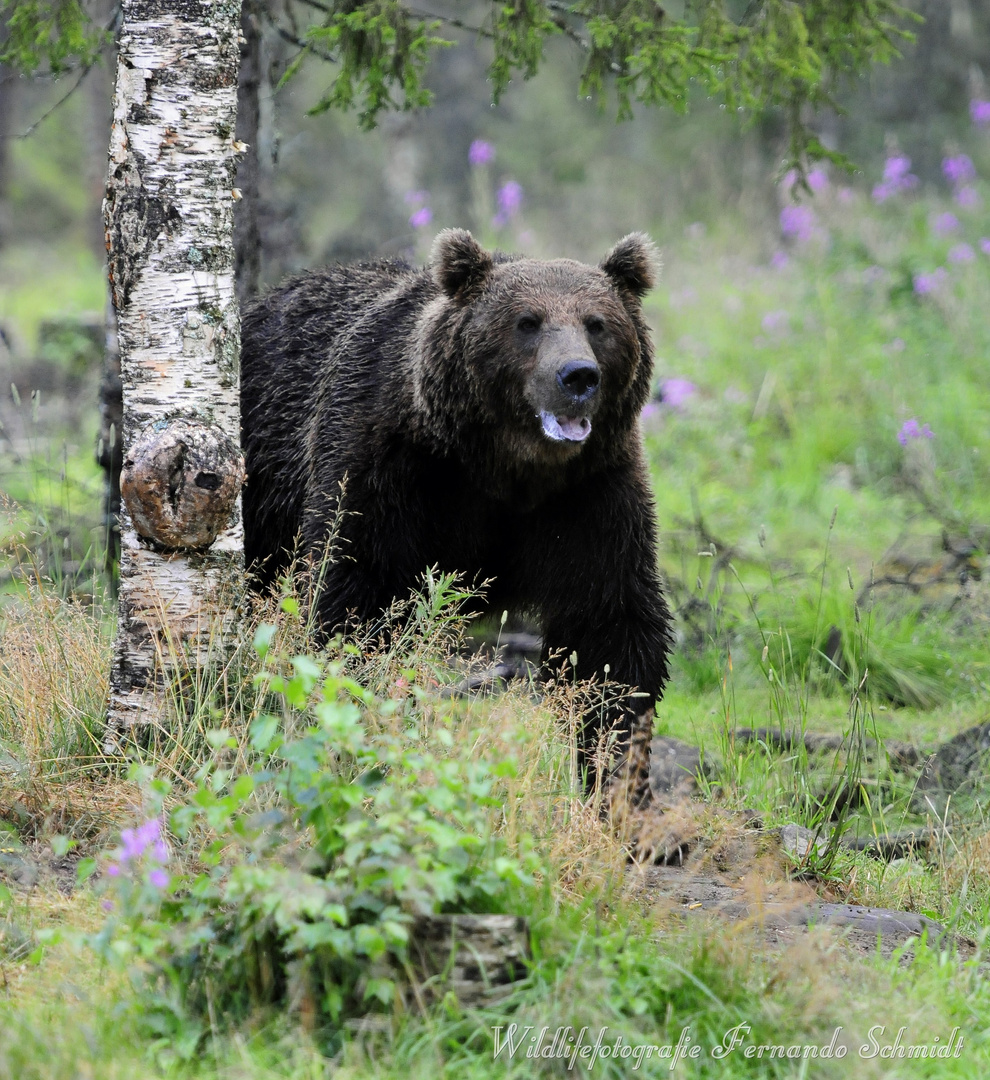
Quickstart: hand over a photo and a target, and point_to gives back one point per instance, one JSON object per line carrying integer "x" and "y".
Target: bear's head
{"x": 552, "y": 360}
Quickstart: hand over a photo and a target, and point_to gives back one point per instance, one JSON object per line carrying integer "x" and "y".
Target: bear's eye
{"x": 528, "y": 324}
{"x": 595, "y": 326}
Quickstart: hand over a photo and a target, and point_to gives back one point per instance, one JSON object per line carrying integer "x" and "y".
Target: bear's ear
{"x": 460, "y": 264}
{"x": 633, "y": 264}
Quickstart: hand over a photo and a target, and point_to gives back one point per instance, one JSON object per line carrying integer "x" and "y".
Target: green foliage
{"x": 768, "y": 54}
{"x": 378, "y": 47}
{"x": 900, "y": 661}
{"x": 807, "y": 357}
{"x": 313, "y": 863}
{"x": 52, "y": 34}
{"x": 774, "y": 54}
{"x": 518, "y": 33}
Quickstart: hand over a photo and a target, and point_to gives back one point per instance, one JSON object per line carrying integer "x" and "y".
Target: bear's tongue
{"x": 565, "y": 428}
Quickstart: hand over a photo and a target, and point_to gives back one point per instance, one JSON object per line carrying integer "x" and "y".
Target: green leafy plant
{"x": 379, "y": 48}
{"x": 57, "y": 34}
{"x": 771, "y": 54}
{"x": 307, "y": 871}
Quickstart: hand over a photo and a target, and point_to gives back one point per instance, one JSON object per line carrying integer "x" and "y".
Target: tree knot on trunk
{"x": 180, "y": 481}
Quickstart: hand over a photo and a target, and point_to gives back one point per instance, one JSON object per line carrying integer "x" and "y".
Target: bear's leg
{"x": 345, "y": 598}
{"x": 593, "y": 575}
{"x": 629, "y": 653}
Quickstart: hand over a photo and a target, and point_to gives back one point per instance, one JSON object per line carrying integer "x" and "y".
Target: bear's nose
{"x": 579, "y": 378}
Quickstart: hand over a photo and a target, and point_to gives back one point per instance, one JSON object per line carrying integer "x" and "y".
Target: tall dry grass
{"x": 54, "y": 670}
{"x": 55, "y": 660}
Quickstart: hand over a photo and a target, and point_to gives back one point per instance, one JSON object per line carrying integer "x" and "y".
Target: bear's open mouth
{"x": 565, "y": 428}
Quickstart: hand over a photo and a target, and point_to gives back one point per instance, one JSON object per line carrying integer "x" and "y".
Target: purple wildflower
{"x": 911, "y": 429}
{"x": 775, "y": 322}
{"x": 818, "y": 180}
{"x": 882, "y": 192}
{"x": 136, "y": 844}
{"x": 846, "y": 195}
{"x": 417, "y": 198}
{"x": 967, "y": 197}
{"x": 798, "y": 222}
{"x": 107, "y": 905}
{"x": 651, "y": 408}
{"x": 958, "y": 169}
{"x": 897, "y": 167}
{"x": 510, "y": 197}
{"x": 945, "y": 223}
{"x": 158, "y": 877}
{"x": 896, "y": 178}
{"x": 423, "y": 216}
{"x": 927, "y": 283}
{"x": 979, "y": 112}
{"x": 481, "y": 153}
{"x": 779, "y": 260}
{"x": 137, "y": 841}
{"x": 985, "y": 245}
{"x": 961, "y": 253}
{"x": 677, "y": 392}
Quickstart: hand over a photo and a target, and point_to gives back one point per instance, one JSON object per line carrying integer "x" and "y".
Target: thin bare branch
{"x": 32, "y": 128}
{"x": 110, "y": 27}
{"x": 298, "y": 42}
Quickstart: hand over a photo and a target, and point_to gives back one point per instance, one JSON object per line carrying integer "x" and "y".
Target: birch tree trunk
{"x": 169, "y": 227}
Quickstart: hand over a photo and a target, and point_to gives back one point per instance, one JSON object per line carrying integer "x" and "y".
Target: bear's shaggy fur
{"x": 480, "y": 415}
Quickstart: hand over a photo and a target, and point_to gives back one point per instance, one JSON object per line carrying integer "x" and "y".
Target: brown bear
{"x": 479, "y": 415}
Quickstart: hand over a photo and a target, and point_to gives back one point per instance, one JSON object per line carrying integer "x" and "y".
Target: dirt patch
{"x": 753, "y": 888}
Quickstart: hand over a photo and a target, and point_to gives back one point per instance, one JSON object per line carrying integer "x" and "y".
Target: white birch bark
{"x": 169, "y": 221}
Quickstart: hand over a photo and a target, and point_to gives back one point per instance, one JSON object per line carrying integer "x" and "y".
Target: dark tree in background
{"x": 247, "y": 232}
{"x": 8, "y": 88}
{"x": 925, "y": 99}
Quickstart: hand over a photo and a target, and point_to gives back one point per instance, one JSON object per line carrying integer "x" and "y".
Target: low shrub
{"x": 302, "y": 874}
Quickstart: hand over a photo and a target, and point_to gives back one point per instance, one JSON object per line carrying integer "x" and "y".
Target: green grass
{"x": 641, "y": 980}
{"x": 603, "y": 958}
{"x": 41, "y": 281}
